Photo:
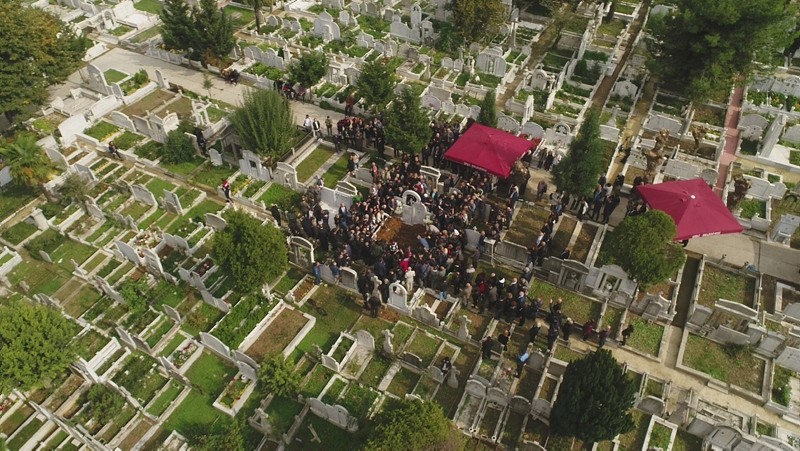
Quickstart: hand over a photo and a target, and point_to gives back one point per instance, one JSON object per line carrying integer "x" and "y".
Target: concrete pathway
{"x": 191, "y": 79}
{"x": 731, "y": 137}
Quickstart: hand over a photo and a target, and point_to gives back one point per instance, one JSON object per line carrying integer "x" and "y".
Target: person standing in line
{"x": 317, "y": 128}
{"x": 226, "y": 188}
{"x": 317, "y": 273}
{"x": 503, "y": 339}
{"x": 534, "y": 332}
{"x": 603, "y": 336}
{"x": 588, "y": 329}
{"x": 486, "y": 347}
{"x": 521, "y": 360}
{"x": 329, "y": 126}
{"x": 566, "y": 329}
{"x": 626, "y": 333}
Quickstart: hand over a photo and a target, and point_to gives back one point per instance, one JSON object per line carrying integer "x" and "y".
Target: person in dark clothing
{"x": 552, "y": 336}
{"x": 226, "y": 188}
{"x": 626, "y": 333}
{"x": 503, "y": 339}
{"x": 603, "y": 336}
{"x": 534, "y": 331}
{"x": 374, "y": 305}
{"x": 276, "y": 213}
{"x": 588, "y": 329}
{"x": 486, "y": 347}
{"x": 566, "y": 329}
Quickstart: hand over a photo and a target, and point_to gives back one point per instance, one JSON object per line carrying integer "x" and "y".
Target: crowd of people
{"x": 437, "y": 260}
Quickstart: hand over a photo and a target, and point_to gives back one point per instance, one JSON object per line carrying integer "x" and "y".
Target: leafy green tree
{"x": 250, "y": 252}
{"x": 178, "y": 148}
{"x": 74, "y": 189}
{"x": 177, "y": 29}
{"x": 408, "y": 127}
{"x": 706, "y": 45}
{"x": 103, "y": 402}
{"x": 594, "y": 400}
{"x": 29, "y": 164}
{"x": 309, "y": 68}
{"x": 37, "y": 50}
{"x": 376, "y": 83}
{"x": 409, "y": 425}
{"x": 206, "y": 29}
{"x": 577, "y": 173}
{"x": 643, "y": 246}
{"x": 222, "y": 437}
{"x": 214, "y": 30}
{"x": 264, "y": 123}
{"x": 277, "y": 377}
{"x": 477, "y": 20}
{"x": 34, "y": 345}
{"x": 134, "y": 292}
{"x": 488, "y": 114}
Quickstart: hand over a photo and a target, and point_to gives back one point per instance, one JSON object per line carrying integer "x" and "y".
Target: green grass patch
{"x": 751, "y": 207}
{"x": 720, "y": 284}
{"x": 212, "y": 176}
{"x": 13, "y": 197}
{"x": 375, "y": 371}
{"x": 150, "y": 6}
{"x": 403, "y": 382}
{"x": 342, "y": 314}
{"x": 185, "y": 169}
{"x": 165, "y": 399}
{"x": 646, "y": 335}
{"x": 210, "y": 374}
{"x": 114, "y": 76}
{"x": 19, "y": 232}
{"x": 729, "y": 364}
{"x": 101, "y": 130}
{"x": 313, "y": 162}
{"x": 575, "y": 306}
{"x": 336, "y": 172}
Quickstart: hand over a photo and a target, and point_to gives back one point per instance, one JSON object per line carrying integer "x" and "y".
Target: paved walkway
{"x": 131, "y": 62}
{"x": 731, "y": 137}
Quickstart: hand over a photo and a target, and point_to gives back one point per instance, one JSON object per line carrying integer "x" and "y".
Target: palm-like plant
{"x": 29, "y": 165}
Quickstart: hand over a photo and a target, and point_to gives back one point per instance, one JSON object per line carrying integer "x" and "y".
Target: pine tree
{"x": 214, "y": 29}
{"x": 577, "y": 173}
{"x": 594, "y": 400}
{"x": 264, "y": 123}
{"x": 376, "y": 83}
{"x": 177, "y": 31}
{"x": 408, "y": 127}
{"x": 488, "y": 114}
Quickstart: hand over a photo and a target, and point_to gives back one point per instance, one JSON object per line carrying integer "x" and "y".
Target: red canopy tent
{"x": 488, "y": 149}
{"x": 697, "y": 211}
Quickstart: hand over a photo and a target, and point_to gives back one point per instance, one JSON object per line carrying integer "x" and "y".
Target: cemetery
{"x": 127, "y": 246}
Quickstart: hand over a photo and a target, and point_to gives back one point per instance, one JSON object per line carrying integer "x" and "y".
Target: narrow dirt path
{"x": 604, "y": 90}
{"x": 546, "y": 40}
{"x": 731, "y": 137}
{"x": 636, "y": 120}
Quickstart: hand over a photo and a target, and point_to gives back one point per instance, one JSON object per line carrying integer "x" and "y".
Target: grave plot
{"x": 490, "y": 421}
{"x": 165, "y": 398}
{"x": 183, "y": 349}
{"x": 137, "y": 429}
{"x": 335, "y": 310}
{"x": 442, "y": 309}
{"x": 242, "y": 319}
{"x": 730, "y": 364}
{"x": 718, "y": 283}
{"x": 277, "y": 335}
{"x": 477, "y": 323}
{"x": 647, "y": 335}
{"x": 140, "y": 376}
{"x": 424, "y": 347}
{"x": 235, "y": 394}
{"x": 375, "y": 371}
{"x": 89, "y": 343}
{"x": 314, "y": 431}
{"x": 402, "y": 382}
{"x": 581, "y": 309}
{"x": 784, "y": 389}
{"x": 527, "y": 220}
{"x": 23, "y": 434}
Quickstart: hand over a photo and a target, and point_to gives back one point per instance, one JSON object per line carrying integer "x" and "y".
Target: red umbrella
{"x": 694, "y": 207}
{"x": 488, "y": 149}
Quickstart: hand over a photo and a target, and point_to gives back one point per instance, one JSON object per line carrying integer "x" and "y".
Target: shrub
{"x": 134, "y": 292}
{"x": 178, "y": 148}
